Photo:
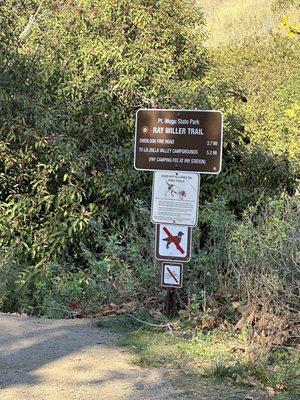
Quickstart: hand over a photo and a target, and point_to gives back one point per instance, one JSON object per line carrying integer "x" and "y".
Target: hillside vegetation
{"x": 75, "y": 231}
{"x": 259, "y": 52}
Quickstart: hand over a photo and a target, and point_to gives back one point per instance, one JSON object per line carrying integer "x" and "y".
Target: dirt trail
{"x": 44, "y": 359}
{"x": 69, "y": 359}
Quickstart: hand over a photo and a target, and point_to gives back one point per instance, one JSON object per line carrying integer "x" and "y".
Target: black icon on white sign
{"x": 174, "y": 191}
{"x": 175, "y": 239}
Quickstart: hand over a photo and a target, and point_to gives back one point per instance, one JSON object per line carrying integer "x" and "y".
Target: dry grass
{"x": 231, "y": 21}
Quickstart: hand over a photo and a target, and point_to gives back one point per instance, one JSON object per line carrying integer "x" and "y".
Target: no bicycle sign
{"x": 172, "y": 275}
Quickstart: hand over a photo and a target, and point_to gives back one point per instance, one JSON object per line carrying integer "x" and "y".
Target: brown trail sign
{"x": 181, "y": 140}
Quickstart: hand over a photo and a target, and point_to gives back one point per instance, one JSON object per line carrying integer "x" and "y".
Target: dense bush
{"x": 74, "y": 225}
{"x": 272, "y": 109}
{"x": 72, "y": 76}
{"x": 249, "y": 268}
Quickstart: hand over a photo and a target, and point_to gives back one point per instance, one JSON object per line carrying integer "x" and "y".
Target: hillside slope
{"x": 229, "y": 22}
{"x": 252, "y": 49}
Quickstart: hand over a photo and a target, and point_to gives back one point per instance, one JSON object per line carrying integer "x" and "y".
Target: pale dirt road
{"x": 44, "y": 359}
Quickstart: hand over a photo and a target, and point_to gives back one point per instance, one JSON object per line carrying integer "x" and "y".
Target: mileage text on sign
{"x": 183, "y": 140}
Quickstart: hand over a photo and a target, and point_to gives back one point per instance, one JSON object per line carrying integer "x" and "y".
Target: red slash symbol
{"x": 173, "y": 275}
{"x": 172, "y": 238}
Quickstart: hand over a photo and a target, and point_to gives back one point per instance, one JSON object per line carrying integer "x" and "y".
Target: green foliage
{"x": 249, "y": 258}
{"x": 75, "y": 231}
{"x": 74, "y": 223}
{"x": 9, "y": 273}
{"x": 264, "y": 75}
{"x": 280, "y": 372}
{"x": 71, "y": 80}
{"x": 271, "y": 112}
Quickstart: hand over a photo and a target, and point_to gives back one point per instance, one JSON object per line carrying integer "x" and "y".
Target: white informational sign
{"x": 173, "y": 242}
{"x": 172, "y": 275}
{"x": 175, "y": 198}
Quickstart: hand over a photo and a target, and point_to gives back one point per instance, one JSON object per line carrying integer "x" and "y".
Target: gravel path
{"x": 44, "y": 359}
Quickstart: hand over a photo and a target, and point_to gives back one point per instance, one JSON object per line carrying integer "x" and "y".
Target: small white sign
{"x": 175, "y": 198}
{"x": 172, "y": 275}
{"x": 173, "y": 242}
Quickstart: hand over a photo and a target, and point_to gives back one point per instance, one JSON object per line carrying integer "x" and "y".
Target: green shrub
{"x": 71, "y": 80}
{"x": 245, "y": 271}
{"x": 9, "y": 273}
